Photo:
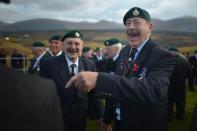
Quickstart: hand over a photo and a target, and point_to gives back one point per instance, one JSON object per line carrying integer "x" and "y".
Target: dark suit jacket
{"x": 143, "y": 93}
{"x": 35, "y": 70}
{"x": 75, "y": 104}
{"x": 28, "y": 103}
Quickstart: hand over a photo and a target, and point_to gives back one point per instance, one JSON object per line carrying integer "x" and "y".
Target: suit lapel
{"x": 63, "y": 67}
{"x": 144, "y": 52}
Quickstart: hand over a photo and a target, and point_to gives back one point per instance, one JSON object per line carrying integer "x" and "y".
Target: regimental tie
{"x": 72, "y": 70}
{"x": 73, "y": 66}
{"x": 132, "y": 55}
{"x": 127, "y": 64}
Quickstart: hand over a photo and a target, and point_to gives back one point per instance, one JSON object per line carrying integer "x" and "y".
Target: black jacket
{"x": 76, "y": 105}
{"x": 28, "y": 103}
{"x": 143, "y": 92}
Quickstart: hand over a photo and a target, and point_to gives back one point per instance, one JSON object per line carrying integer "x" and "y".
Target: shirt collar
{"x": 142, "y": 45}
{"x": 56, "y": 54}
{"x": 69, "y": 62}
{"x": 40, "y": 56}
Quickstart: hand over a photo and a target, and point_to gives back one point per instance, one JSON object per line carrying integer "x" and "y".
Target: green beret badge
{"x": 77, "y": 34}
{"x": 136, "y": 12}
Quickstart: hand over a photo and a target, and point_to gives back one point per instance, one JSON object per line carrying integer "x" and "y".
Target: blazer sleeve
{"x": 149, "y": 90}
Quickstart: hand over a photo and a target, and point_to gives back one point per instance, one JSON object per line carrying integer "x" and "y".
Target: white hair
{"x": 118, "y": 45}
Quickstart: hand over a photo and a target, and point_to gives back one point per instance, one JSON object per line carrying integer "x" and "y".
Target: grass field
{"x": 175, "y": 125}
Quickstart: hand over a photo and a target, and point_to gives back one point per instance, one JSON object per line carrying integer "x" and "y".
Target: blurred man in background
{"x": 28, "y": 103}
{"x": 55, "y": 45}
{"x": 87, "y": 52}
{"x": 40, "y": 54}
{"x": 177, "y": 88}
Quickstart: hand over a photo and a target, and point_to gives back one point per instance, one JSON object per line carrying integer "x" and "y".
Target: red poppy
{"x": 135, "y": 67}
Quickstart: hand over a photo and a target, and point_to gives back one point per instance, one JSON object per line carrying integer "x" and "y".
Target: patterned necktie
{"x": 72, "y": 70}
{"x": 132, "y": 55}
{"x": 128, "y": 64}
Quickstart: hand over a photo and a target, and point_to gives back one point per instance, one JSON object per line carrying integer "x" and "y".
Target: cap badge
{"x": 136, "y": 12}
{"x": 77, "y": 34}
{"x": 107, "y": 43}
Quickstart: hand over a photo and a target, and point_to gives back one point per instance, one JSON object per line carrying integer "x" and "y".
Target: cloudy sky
{"x": 93, "y": 10}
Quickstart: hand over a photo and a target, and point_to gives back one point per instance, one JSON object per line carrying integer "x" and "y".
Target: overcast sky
{"x": 93, "y": 10}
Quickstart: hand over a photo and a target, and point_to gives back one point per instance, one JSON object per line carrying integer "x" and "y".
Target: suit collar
{"x": 63, "y": 66}
{"x": 144, "y": 52}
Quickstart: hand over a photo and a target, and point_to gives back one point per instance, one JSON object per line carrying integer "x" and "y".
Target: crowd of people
{"x": 140, "y": 82}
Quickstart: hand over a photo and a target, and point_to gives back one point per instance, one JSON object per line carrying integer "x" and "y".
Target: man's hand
{"x": 85, "y": 81}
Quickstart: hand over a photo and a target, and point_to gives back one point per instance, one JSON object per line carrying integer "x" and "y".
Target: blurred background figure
{"x": 112, "y": 109}
{"x": 2, "y": 57}
{"x": 193, "y": 62}
{"x": 55, "y": 45}
{"x": 98, "y": 54}
{"x": 28, "y": 103}
{"x": 40, "y": 54}
{"x": 112, "y": 50}
{"x": 17, "y": 60}
{"x": 87, "y": 52}
{"x": 177, "y": 87}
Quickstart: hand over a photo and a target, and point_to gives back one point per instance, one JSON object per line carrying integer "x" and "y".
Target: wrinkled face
{"x": 55, "y": 46}
{"x": 36, "y": 51}
{"x": 137, "y": 30}
{"x": 72, "y": 47}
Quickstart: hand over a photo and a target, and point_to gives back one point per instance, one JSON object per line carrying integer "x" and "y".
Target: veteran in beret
{"x": 141, "y": 80}
{"x": 98, "y": 54}
{"x": 112, "y": 50}
{"x": 55, "y": 45}
{"x": 76, "y": 105}
{"x": 39, "y": 51}
{"x": 87, "y": 52}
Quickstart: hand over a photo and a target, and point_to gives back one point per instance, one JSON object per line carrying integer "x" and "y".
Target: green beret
{"x": 86, "y": 49}
{"x": 97, "y": 49}
{"x": 55, "y": 37}
{"x": 112, "y": 41}
{"x": 136, "y": 12}
{"x": 73, "y": 34}
{"x": 38, "y": 44}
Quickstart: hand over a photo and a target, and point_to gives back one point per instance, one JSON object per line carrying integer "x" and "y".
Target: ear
{"x": 150, "y": 26}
